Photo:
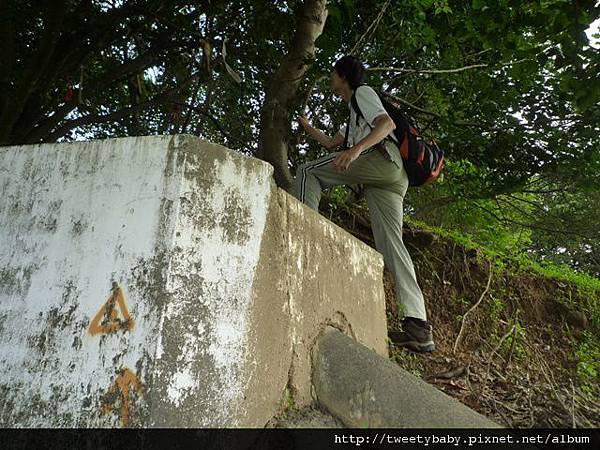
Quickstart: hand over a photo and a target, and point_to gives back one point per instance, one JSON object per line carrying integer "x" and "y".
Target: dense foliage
{"x": 509, "y": 88}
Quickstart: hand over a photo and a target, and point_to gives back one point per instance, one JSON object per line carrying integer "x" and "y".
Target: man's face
{"x": 335, "y": 82}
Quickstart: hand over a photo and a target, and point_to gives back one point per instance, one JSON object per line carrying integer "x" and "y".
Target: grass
{"x": 584, "y": 295}
{"x": 587, "y": 351}
{"x": 587, "y": 285}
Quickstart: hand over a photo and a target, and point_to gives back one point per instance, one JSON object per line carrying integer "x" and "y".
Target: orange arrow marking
{"x": 106, "y": 319}
{"x": 123, "y": 383}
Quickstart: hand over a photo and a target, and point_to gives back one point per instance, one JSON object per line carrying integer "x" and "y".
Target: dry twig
{"x": 551, "y": 382}
{"x": 489, "y": 363}
{"x": 573, "y": 403}
{"x": 462, "y": 325}
{"x": 512, "y": 343}
{"x": 454, "y": 373}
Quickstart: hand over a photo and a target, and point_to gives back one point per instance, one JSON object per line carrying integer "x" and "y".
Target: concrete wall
{"x": 165, "y": 281}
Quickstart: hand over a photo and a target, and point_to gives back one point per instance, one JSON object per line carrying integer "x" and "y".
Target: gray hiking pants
{"x": 385, "y": 186}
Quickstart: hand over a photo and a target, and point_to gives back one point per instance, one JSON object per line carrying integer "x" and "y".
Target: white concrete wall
{"x": 73, "y": 219}
{"x": 178, "y": 224}
{"x": 219, "y": 222}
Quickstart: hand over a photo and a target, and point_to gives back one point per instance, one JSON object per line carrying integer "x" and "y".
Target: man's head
{"x": 347, "y": 69}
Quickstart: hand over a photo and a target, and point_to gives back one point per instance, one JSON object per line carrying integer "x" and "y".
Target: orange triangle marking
{"x": 107, "y": 319}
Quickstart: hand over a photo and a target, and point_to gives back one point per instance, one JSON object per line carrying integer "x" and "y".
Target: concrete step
{"x": 364, "y": 389}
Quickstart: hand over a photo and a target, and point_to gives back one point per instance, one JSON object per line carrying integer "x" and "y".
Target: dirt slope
{"x": 519, "y": 359}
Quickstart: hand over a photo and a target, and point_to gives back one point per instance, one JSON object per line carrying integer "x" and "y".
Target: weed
{"x": 288, "y": 399}
{"x": 408, "y": 362}
{"x": 496, "y": 307}
{"x": 588, "y": 355}
{"x": 586, "y": 286}
{"x": 519, "y": 337}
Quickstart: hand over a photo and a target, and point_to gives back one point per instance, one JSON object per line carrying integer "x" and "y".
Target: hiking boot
{"x": 416, "y": 335}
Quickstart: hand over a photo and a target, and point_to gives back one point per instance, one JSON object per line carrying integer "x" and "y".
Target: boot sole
{"x": 399, "y": 338}
{"x": 419, "y": 347}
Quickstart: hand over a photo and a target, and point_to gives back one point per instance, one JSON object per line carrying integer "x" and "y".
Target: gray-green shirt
{"x": 371, "y": 107}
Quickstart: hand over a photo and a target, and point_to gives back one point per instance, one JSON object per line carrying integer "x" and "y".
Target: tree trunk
{"x": 14, "y": 103}
{"x": 282, "y": 90}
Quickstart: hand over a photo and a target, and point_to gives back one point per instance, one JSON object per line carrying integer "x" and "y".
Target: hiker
{"x": 373, "y": 160}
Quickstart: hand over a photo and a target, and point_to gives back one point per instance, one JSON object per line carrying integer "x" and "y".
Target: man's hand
{"x": 304, "y": 122}
{"x": 318, "y": 135}
{"x": 345, "y": 158}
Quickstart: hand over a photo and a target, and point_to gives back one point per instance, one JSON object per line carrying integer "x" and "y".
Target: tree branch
{"x": 116, "y": 115}
{"x": 541, "y": 191}
{"x": 410, "y": 105}
{"x": 76, "y": 44}
{"x": 135, "y": 65}
{"x": 436, "y": 203}
{"x": 71, "y": 60}
{"x": 214, "y": 120}
{"x": 27, "y": 82}
{"x": 7, "y": 52}
{"x": 529, "y": 225}
{"x": 560, "y": 220}
{"x": 440, "y": 71}
{"x": 459, "y": 123}
{"x": 371, "y": 28}
{"x": 437, "y": 71}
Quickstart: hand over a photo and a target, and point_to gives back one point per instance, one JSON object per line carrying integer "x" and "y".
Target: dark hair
{"x": 351, "y": 69}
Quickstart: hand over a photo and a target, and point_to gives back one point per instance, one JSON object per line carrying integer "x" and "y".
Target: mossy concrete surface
{"x": 166, "y": 282}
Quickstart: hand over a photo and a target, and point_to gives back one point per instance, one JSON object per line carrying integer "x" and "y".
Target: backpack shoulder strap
{"x": 346, "y": 137}
{"x": 356, "y": 108}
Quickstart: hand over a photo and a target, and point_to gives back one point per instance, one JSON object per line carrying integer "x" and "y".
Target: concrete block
{"x": 362, "y": 389}
{"x": 166, "y": 282}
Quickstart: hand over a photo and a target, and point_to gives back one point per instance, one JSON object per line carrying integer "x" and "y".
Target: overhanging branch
{"x": 507, "y": 221}
{"x": 116, "y": 115}
{"x": 432, "y": 71}
{"x": 126, "y": 69}
{"x": 442, "y": 71}
{"x": 213, "y": 119}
